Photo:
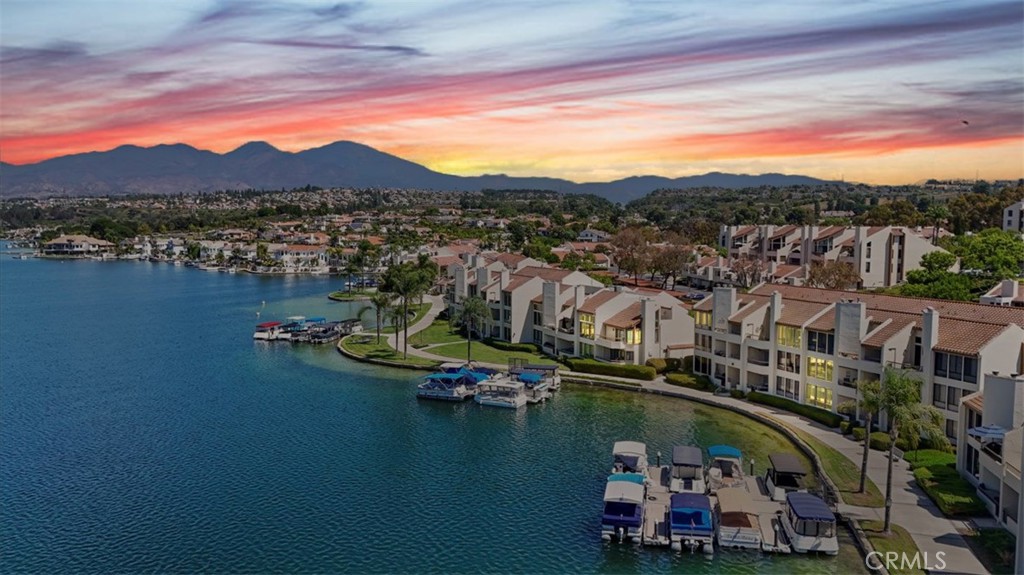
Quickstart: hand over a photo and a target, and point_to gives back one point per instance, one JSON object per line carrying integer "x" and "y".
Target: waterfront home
{"x": 813, "y": 345}
{"x": 77, "y": 245}
{"x": 990, "y": 438}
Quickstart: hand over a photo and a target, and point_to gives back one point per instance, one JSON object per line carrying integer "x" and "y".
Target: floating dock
{"x": 657, "y": 529}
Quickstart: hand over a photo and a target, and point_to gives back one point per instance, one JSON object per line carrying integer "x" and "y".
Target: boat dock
{"x": 657, "y": 529}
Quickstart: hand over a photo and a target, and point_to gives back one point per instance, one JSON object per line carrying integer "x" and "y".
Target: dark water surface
{"x": 142, "y": 430}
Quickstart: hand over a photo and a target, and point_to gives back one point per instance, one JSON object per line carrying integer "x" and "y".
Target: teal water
{"x": 144, "y": 431}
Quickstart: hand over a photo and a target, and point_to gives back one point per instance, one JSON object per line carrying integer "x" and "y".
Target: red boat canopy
{"x": 268, "y": 324}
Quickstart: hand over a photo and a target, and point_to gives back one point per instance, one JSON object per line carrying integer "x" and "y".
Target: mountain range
{"x": 175, "y": 168}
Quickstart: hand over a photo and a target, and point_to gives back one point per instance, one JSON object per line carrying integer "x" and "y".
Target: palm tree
{"x": 869, "y": 401}
{"x": 901, "y": 399}
{"x": 406, "y": 282}
{"x": 472, "y": 314}
{"x": 381, "y": 301}
{"x": 351, "y": 269}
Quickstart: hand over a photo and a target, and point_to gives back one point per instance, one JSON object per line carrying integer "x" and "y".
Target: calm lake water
{"x": 142, "y": 430}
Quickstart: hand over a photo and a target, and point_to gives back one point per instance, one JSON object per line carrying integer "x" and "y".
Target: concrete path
{"x": 911, "y": 507}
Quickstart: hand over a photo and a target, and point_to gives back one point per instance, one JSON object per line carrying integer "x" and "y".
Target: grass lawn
{"x": 356, "y": 294}
{"x": 687, "y": 379}
{"x": 935, "y": 472}
{"x": 366, "y": 345}
{"x": 844, "y": 473}
{"x": 487, "y": 354}
{"x": 899, "y": 540}
{"x": 994, "y": 548}
{"x": 437, "y": 332}
{"x": 419, "y": 309}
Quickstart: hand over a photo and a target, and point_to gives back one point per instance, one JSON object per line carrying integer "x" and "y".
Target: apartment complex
{"x": 990, "y": 438}
{"x": 882, "y": 255}
{"x": 813, "y": 345}
{"x": 569, "y": 313}
{"x": 1013, "y": 218}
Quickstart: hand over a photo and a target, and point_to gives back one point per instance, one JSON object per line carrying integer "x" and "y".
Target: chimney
{"x": 580, "y": 294}
{"x": 1008, "y": 288}
{"x": 461, "y": 281}
{"x": 505, "y": 276}
{"x": 649, "y": 340}
{"x": 550, "y": 302}
{"x": 774, "y": 313}
{"x": 723, "y": 305}
{"x": 851, "y": 327}
{"x": 483, "y": 277}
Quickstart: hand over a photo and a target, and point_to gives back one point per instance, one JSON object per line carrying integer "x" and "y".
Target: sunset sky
{"x": 589, "y": 90}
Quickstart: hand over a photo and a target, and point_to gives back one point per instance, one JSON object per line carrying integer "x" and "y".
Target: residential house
{"x": 77, "y": 245}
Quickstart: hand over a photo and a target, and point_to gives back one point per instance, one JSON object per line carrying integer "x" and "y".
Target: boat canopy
{"x": 691, "y": 501}
{"x": 451, "y": 366}
{"x": 530, "y": 377}
{"x": 630, "y": 448}
{"x": 687, "y": 455}
{"x": 724, "y": 451}
{"x": 316, "y": 319}
{"x": 296, "y": 318}
{"x": 625, "y": 492}
{"x": 444, "y": 377}
{"x": 476, "y": 376}
{"x": 268, "y": 324}
{"x": 808, "y": 507}
{"x": 734, "y": 499}
{"x": 637, "y": 478}
{"x": 787, "y": 463}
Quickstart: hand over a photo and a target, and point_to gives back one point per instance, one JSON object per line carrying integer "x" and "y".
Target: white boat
{"x": 785, "y": 475}
{"x": 809, "y": 524}
{"x": 691, "y": 523}
{"x": 623, "y": 515}
{"x": 501, "y": 392}
{"x": 726, "y": 468}
{"x": 629, "y": 457}
{"x": 687, "y": 470}
{"x": 267, "y": 331}
{"x": 548, "y": 373}
{"x": 537, "y": 389}
{"x": 738, "y": 527}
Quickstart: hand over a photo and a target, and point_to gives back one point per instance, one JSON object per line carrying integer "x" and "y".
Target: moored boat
{"x": 267, "y": 330}
{"x": 691, "y": 522}
{"x": 501, "y": 392}
{"x": 785, "y": 475}
{"x": 629, "y": 457}
{"x": 726, "y": 468}
{"x": 810, "y": 524}
{"x": 449, "y": 386}
{"x": 548, "y": 373}
{"x": 687, "y": 470}
{"x": 623, "y": 516}
{"x": 738, "y": 527}
{"x": 537, "y": 390}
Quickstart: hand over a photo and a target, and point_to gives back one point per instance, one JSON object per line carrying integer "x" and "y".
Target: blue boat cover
{"x": 724, "y": 451}
{"x": 622, "y": 514}
{"x": 637, "y": 478}
{"x": 529, "y": 377}
{"x": 316, "y": 319}
{"x": 691, "y": 501}
{"x": 476, "y": 376}
{"x": 809, "y": 507}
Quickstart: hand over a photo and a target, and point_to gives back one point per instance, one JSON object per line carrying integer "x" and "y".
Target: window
{"x": 917, "y": 352}
{"x": 702, "y": 319}
{"x": 537, "y": 338}
{"x": 701, "y": 365}
{"x": 869, "y": 254}
{"x": 787, "y": 388}
{"x": 953, "y": 395}
{"x": 819, "y": 368}
{"x": 506, "y": 299}
{"x": 633, "y": 336}
{"x": 789, "y": 361}
{"x": 955, "y": 366}
{"x": 788, "y": 335}
{"x": 538, "y": 318}
{"x": 587, "y": 325}
{"x": 821, "y": 342}
{"x": 939, "y": 395}
{"x": 586, "y": 350}
{"x": 951, "y": 428}
{"x": 507, "y": 316}
{"x": 867, "y": 267}
{"x": 819, "y": 396}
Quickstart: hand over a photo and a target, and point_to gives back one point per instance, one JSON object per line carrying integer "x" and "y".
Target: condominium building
{"x": 569, "y": 313}
{"x": 882, "y": 255}
{"x": 1013, "y": 218}
{"x": 813, "y": 345}
{"x": 990, "y": 440}
{"x": 1006, "y": 293}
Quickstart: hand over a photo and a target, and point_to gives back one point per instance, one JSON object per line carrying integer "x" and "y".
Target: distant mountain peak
{"x": 254, "y": 147}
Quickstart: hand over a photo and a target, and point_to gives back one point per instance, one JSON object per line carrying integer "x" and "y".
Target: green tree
{"x": 832, "y": 275}
{"x": 408, "y": 281}
{"x": 382, "y": 302}
{"x": 471, "y": 315}
{"x": 901, "y": 400}
{"x": 937, "y": 261}
{"x": 993, "y": 251}
{"x": 869, "y": 401}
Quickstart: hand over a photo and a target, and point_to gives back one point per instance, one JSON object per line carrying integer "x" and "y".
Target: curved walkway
{"x": 911, "y": 507}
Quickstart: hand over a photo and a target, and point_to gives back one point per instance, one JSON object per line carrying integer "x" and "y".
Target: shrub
{"x": 822, "y": 416}
{"x": 859, "y": 433}
{"x": 880, "y": 441}
{"x": 506, "y": 346}
{"x": 737, "y": 394}
{"x": 844, "y": 427}
{"x": 687, "y": 364}
{"x": 951, "y": 493}
{"x": 663, "y": 364}
{"x": 690, "y": 380}
{"x": 598, "y": 368}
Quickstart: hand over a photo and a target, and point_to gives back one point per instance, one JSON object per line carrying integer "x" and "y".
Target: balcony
{"x": 762, "y": 361}
{"x": 993, "y": 450}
